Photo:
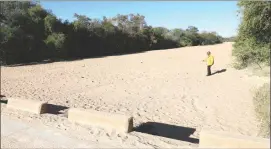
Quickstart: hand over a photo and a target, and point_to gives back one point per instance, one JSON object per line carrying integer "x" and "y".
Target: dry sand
{"x": 167, "y": 86}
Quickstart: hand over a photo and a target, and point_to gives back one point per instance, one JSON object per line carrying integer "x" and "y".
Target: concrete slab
{"x": 8, "y": 126}
{"x": 24, "y": 141}
{"x": 17, "y": 134}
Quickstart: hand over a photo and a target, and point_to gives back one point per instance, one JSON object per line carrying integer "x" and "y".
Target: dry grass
{"x": 264, "y": 71}
{"x": 262, "y": 108}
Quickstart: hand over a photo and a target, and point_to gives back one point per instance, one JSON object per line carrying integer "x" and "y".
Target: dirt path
{"x": 166, "y": 87}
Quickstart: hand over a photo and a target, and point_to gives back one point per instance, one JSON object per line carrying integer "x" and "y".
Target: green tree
{"x": 55, "y": 43}
{"x": 253, "y": 42}
{"x": 210, "y": 38}
{"x": 30, "y": 33}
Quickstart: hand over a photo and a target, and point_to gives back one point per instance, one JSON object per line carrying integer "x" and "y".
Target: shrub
{"x": 253, "y": 42}
{"x": 262, "y": 107}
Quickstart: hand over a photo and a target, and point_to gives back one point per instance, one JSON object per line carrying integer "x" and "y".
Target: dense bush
{"x": 30, "y": 33}
{"x": 253, "y": 42}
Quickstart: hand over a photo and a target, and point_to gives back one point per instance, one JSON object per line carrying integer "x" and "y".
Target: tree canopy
{"x": 253, "y": 42}
{"x": 29, "y": 33}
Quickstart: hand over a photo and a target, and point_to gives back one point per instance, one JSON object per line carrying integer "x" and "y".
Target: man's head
{"x": 208, "y": 53}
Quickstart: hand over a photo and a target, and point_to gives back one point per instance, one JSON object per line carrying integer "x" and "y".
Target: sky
{"x": 218, "y": 16}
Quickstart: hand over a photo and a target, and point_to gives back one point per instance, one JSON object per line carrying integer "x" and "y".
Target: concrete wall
{"x": 31, "y": 106}
{"x": 118, "y": 122}
{"x": 213, "y": 139}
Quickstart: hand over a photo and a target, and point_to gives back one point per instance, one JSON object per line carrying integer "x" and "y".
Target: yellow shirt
{"x": 210, "y": 60}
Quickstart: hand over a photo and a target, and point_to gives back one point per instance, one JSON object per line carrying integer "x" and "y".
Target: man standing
{"x": 210, "y": 62}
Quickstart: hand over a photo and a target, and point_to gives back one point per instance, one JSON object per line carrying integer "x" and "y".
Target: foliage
{"x": 30, "y": 33}
{"x": 253, "y": 42}
{"x": 210, "y": 38}
{"x": 55, "y": 42}
{"x": 229, "y": 39}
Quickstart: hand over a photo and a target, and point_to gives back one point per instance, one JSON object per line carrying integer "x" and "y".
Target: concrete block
{"x": 36, "y": 107}
{"x": 105, "y": 120}
{"x": 213, "y": 139}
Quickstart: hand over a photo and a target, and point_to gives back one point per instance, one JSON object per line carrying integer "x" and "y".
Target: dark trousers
{"x": 209, "y": 70}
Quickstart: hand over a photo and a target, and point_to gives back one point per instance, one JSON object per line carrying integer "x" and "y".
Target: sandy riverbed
{"x": 167, "y": 87}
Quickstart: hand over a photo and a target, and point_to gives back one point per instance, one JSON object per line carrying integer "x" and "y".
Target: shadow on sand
{"x": 3, "y": 100}
{"x": 79, "y": 58}
{"x": 168, "y": 131}
{"x": 219, "y": 71}
{"x": 55, "y": 109}
{"x": 87, "y": 57}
